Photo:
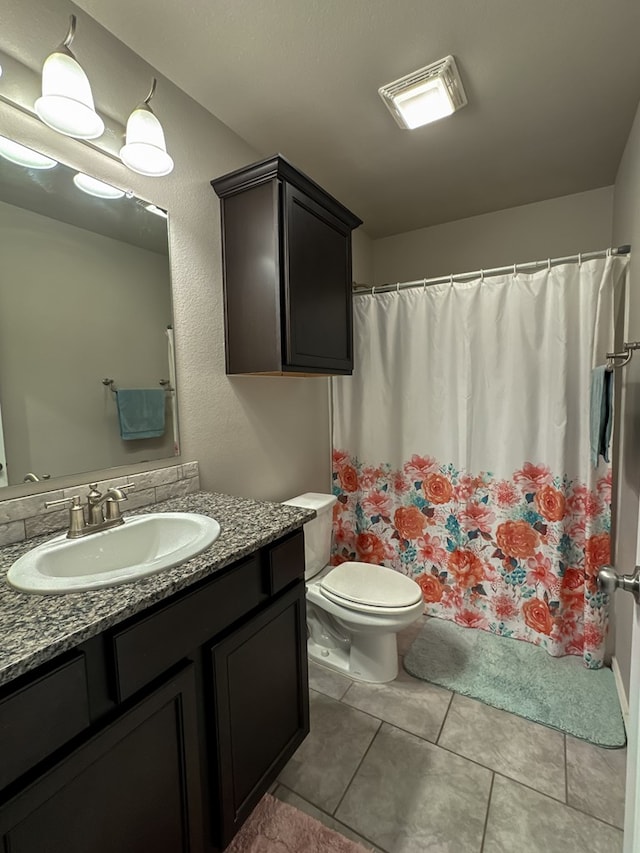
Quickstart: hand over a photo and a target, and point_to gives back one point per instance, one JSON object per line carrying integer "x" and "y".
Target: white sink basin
{"x": 143, "y": 545}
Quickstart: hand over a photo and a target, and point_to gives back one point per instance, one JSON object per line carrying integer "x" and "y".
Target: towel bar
{"x": 628, "y": 347}
{"x": 111, "y": 384}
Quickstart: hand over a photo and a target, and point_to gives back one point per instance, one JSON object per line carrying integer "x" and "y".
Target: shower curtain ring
{"x": 424, "y": 285}
{"x": 548, "y": 264}
{"x": 481, "y": 276}
{"x": 398, "y": 287}
{"x": 373, "y": 291}
{"x": 515, "y": 270}
{"x": 579, "y": 259}
{"x": 609, "y": 252}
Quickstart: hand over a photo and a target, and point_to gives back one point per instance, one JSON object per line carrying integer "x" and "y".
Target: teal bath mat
{"x": 521, "y": 678}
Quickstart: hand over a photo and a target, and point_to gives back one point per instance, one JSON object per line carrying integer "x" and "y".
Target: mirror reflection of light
{"x": 94, "y": 187}
{"x": 152, "y": 208}
{"x": 23, "y": 156}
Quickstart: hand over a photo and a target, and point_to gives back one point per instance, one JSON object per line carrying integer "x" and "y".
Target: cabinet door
{"x": 261, "y": 705}
{"x": 317, "y": 278}
{"x": 133, "y": 788}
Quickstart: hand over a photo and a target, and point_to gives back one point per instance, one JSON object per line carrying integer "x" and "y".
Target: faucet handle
{"x": 94, "y": 494}
{"x": 76, "y": 515}
{"x": 75, "y": 501}
{"x": 127, "y": 486}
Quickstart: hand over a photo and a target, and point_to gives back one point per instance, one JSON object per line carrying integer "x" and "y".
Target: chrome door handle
{"x": 609, "y": 581}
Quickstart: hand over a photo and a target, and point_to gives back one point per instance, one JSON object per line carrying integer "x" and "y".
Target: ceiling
{"x": 553, "y": 86}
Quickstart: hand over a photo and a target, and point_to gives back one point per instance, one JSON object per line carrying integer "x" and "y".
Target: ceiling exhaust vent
{"x": 426, "y": 95}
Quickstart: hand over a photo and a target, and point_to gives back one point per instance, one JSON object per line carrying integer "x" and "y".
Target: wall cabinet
{"x": 287, "y": 273}
{"x": 163, "y": 733}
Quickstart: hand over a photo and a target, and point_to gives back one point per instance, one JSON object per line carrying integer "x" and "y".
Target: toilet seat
{"x": 370, "y": 588}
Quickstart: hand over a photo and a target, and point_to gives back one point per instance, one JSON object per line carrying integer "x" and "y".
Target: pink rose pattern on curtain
{"x": 517, "y": 557}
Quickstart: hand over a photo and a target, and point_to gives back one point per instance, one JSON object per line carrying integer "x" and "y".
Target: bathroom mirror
{"x": 85, "y": 296}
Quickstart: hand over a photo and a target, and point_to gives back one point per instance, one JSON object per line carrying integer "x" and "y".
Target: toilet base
{"x": 373, "y": 658}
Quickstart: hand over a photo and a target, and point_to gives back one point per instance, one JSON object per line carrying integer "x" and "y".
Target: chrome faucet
{"x": 96, "y": 504}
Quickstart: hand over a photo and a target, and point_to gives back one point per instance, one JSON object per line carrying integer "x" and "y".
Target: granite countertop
{"x": 35, "y": 628}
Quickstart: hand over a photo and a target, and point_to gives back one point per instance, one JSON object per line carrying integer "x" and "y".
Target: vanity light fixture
{"x": 426, "y": 95}
{"x": 145, "y": 149}
{"x": 67, "y": 104}
{"x": 23, "y": 156}
{"x": 94, "y": 187}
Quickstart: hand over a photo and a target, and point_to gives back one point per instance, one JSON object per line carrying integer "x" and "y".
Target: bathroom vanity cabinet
{"x": 162, "y": 733}
{"x": 287, "y": 273}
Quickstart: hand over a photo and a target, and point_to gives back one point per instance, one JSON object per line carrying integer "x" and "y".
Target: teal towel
{"x": 141, "y": 412}
{"x": 601, "y": 413}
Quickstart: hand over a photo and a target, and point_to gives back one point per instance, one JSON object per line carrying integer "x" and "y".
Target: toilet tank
{"x": 317, "y": 532}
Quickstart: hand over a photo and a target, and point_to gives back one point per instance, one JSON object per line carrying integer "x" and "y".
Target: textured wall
{"x": 552, "y": 228}
{"x": 626, "y": 229}
{"x": 260, "y": 437}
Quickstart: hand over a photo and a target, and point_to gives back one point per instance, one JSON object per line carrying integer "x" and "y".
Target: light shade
{"x": 23, "y": 156}
{"x": 426, "y": 95}
{"x": 145, "y": 149}
{"x": 152, "y": 208}
{"x": 66, "y": 104}
{"x": 93, "y": 186}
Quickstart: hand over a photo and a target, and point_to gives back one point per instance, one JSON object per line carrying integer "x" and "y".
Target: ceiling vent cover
{"x": 426, "y": 95}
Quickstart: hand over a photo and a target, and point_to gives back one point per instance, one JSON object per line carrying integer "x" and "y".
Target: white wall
{"x": 76, "y": 306}
{"x": 552, "y": 228}
{"x": 260, "y": 437}
{"x": 362, "y": 256}
{"x": 626, "y": 229}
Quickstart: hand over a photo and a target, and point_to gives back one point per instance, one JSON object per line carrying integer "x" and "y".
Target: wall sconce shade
{"x": 92, "y": 186}
{"x": 67, "y": 104}
{"x": 426, "y": 95}
{"x": 145, "y": 149}
{"x": 23, "y": 156}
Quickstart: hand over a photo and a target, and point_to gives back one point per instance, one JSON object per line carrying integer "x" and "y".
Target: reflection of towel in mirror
{"x": 601, "y": 414}
{"x": 141, "y": 412}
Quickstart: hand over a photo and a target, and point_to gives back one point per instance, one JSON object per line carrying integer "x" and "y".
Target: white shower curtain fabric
{"x": 462, "y": 452}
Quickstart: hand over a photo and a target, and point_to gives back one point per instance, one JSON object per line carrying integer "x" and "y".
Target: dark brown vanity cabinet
{"x": 164, "y": 732}
{"x": 287, "y": 273}
{"x": 133, "y": 786}
{"x": 260, "y": 711}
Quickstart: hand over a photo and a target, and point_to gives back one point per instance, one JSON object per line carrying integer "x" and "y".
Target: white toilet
{"x": 354, "y": 610}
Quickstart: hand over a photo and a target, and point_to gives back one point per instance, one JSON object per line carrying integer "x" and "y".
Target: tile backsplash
{"x": 22, "y": 518}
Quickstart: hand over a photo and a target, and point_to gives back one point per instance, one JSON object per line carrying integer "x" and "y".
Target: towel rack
{"x": 627, "y": 352}
{"x": 111, "y": 384}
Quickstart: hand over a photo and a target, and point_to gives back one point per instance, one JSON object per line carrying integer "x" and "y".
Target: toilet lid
{"x": 364, "y": 583}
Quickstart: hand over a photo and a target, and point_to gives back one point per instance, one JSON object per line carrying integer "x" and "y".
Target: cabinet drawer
{"x": 148, "y": 647}
{"x": 286, "y": 562}
{"x": 42, "y": 715}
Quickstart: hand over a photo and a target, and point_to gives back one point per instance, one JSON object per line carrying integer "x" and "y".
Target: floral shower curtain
{"x": 462, "y": 456}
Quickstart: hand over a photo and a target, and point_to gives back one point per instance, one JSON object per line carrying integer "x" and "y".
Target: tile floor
{"x": 409, "y": 767}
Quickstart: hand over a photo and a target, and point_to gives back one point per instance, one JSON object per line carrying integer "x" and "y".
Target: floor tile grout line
{"x": 459, "y": 755}
{"x": 465, "y": 758}
{"x": 446, "y": 714}
{"x": 366, "y": 752}
{"x": 498, "y": 772}
{"x": 346, "y": 691}
{"x": 486, "y": 817}
{"x": 332, "y": 817}
{"x": 566, "y": 805}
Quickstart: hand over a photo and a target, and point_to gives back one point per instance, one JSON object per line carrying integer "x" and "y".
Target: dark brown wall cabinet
{"x": 163, "y": 733}
{"x": 287, "y": 272}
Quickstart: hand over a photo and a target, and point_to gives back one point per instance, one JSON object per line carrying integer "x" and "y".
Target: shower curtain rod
{"x": 514, "y": 268}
